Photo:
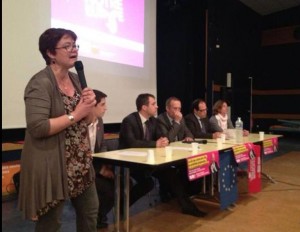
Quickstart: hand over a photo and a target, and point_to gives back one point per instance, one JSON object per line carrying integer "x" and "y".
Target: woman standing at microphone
{"x": 56, "y": 161}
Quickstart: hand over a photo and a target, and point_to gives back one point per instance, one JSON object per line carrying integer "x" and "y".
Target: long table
{"x": 127, "y": 158}
{"x": 11, "y": 151}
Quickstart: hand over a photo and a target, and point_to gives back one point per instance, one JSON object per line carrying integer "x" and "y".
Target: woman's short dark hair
{"x": 49, "y": 39}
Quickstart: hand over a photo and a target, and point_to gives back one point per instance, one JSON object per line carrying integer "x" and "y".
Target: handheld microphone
{"x": 79, "y": 68}
{"x": 203, "y": 141}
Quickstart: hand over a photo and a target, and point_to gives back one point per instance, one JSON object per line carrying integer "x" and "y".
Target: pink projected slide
{"x": 110, "y": 30}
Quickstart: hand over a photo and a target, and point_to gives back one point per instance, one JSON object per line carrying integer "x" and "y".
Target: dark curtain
{"x": 180, "y": 51}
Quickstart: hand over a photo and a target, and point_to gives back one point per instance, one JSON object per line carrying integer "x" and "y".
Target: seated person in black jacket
{"x": 104, "y": 173}
{"x": 138, "y": 130}
{"x": 171, "y": 123}
{"x": 198, "y": 122}
{"x": 174, "y": 179}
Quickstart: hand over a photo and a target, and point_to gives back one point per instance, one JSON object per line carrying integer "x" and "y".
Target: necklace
{"x": 63, "y": 85}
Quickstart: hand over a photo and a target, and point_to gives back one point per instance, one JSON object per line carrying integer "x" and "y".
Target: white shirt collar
{"x": 93, "y": 123}
{"x": 170, "y": 119}
{"x": 92, "y": 128}
{"x": 143, "y": 119}
{"x": 197, "y": 116}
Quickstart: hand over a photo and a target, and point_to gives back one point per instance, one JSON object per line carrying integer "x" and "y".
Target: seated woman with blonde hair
{"x": 220, "y": 121}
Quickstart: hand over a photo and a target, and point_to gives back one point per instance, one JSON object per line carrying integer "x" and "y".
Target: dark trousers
{"x": 175, "y": 181}
{"x": 170, "y": 181}
{"x": 86, "y": 208}
{"x": 106, "y": 190}
{"x": 142, "y": 184}
{"x": 192, "y": 187}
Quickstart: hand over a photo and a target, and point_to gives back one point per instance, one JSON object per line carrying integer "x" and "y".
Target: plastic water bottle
{"x": 239, "y": 130}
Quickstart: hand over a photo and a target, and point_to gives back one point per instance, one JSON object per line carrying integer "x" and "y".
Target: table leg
{"x": 204, "y": 185}
{"x": 126, "y": 181}
{"x": 268, "y": 177}
{"x": 261, "y": 160}
{"x": 126, "y": 194}
{"x": 212, "y": 183}
{"x": 117, "y": 199}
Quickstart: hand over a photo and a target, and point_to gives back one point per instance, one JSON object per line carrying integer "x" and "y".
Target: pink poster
{"x": 202, "y": 165}
{"x": 254, "y": 170}
{"x": 270, "y": 146}
{"x": 241, "y": 152}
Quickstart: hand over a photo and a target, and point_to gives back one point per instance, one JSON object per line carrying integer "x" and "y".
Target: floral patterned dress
{"x": 78, "y": 154}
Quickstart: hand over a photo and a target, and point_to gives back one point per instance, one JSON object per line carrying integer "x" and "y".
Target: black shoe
{"x": 102, "y": 225}
{"x": 194, "y": 212}
{"x": 102, "y": 222}
{"x": 165, "y": 196}
{"x": 122, "y": 217}
{"x": 191, "y": 209}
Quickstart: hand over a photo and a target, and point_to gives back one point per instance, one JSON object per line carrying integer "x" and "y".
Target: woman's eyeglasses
{"x": 70, "y": 47}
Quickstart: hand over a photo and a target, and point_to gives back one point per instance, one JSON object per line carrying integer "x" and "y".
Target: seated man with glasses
{"x": 198, "y": 122}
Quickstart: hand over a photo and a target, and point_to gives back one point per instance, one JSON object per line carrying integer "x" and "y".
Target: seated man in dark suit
{"x": 174, "y": 181}
{"x": 198, "y": 123}
{"x": 104, "y": 173}
{"x": 171, "y": 122}
{"x": 138, "y": 130}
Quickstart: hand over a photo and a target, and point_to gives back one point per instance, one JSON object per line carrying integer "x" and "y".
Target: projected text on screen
{"x": 109, "y": 30}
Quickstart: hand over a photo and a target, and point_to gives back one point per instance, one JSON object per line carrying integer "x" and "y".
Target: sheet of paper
{"x": 133, "y": 153}
{"x": 183, "y": 148}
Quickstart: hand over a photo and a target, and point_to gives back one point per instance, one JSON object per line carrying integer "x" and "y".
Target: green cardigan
{"x": 43, "y": 163}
